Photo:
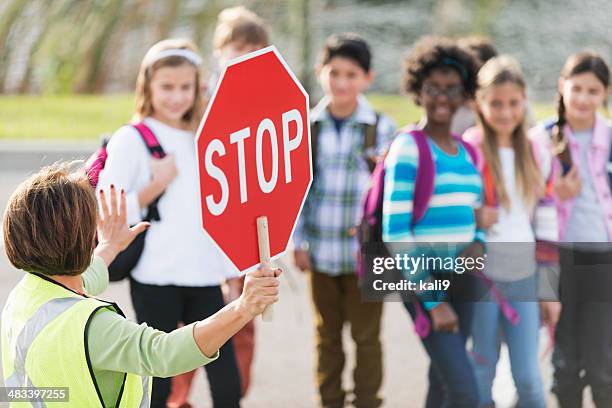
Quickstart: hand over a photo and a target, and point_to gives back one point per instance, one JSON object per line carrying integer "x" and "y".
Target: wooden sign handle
{"x": 263, "y": 241}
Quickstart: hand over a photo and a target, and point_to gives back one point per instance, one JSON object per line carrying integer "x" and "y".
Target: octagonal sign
{"x": 253, "y": 148}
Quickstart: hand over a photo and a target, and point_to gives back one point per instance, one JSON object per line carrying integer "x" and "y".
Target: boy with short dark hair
{"x": 348, "y": 137}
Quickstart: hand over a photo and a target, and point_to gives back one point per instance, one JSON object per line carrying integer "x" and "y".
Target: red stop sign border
{"x": 209, "y": 106}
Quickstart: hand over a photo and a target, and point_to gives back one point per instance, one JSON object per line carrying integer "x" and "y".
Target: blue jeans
{"x": 522, "y": 341}
{"x": 451, "y": 379}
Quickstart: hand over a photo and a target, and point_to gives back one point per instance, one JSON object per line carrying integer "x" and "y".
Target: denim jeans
{"x": 451, "y": 379}
{"x": 522, "y": 341}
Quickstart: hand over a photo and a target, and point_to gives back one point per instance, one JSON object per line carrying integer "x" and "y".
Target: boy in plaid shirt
{"x": 348, "y": 137}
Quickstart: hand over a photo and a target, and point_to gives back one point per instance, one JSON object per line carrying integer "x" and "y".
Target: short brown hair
{"x": 240, "y": 25}
{"x": 50, "y": 222}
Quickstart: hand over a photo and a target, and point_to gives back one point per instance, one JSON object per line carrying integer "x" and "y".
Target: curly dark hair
{"x": 431, "y": 53}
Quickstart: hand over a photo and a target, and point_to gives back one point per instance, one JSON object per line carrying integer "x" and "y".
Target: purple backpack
{"x": 370, "y": 227}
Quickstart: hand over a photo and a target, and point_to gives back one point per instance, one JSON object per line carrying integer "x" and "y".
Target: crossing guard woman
{"x": 54, "y": 334}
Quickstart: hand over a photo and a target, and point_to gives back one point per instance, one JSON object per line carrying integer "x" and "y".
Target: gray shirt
{"x": 586, "y": 219}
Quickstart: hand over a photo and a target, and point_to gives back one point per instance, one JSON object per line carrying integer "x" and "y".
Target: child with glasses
{"x": 440, "y": 76}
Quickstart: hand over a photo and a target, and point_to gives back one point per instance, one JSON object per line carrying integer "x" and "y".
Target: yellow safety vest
{"x": 44, "y": 344}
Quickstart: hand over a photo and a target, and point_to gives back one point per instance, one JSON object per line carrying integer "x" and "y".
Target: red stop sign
{"x": 253, "y": 150}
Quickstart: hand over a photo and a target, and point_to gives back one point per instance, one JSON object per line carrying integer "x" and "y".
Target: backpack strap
{"x": 426, "y": 171}
{"x": 490, "y": 195}
{"x": 155, "y": 149}
{"x": 315, "y": 128}
{"x": 424, "y": 182}
{"x": 370, "y": 134}
{"x": 148, "y": 137}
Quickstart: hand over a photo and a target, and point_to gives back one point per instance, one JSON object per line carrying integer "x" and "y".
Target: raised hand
{"x": 114, "y": 234}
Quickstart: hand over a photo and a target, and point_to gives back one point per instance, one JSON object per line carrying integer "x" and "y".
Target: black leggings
{"x": 583, "y": 340}
{"x": 163, "y": 307}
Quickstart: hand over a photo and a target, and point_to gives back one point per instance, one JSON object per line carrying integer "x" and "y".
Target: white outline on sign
{"x": 235, "y": 61}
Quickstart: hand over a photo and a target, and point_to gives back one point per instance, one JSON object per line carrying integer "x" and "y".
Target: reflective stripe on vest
{"x": 144, "y": 403}
{"x": 38, "y": 313}
{"x": 43, "y": 316}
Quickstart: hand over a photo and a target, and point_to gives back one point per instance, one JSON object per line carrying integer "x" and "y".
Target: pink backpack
{"x": 127, "y": 260}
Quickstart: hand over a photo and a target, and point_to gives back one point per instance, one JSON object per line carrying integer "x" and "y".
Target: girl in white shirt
{"x": 178, "y": 276}
{"x": 514, "y": 171}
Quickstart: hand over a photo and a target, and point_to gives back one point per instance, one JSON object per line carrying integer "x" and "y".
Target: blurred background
{"x": 67, "y": 73}
{"x": 67, "y": 67}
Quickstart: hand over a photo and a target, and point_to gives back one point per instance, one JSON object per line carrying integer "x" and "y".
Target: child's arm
{"x": 546, "y": 230}
{"x": 400, "y": 174}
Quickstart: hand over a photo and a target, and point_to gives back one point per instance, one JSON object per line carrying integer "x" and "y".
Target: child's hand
{"x": 163, "y": 171}
{"x": 260, "y": 290}
{"x": 569, "y": 185}
{"x": 486, "y": 217}
{"x": 114, "y": 234}
{"x": 474, "y": 250}
{"x": 302, "y": 260}
{"x": 444, "y": 318}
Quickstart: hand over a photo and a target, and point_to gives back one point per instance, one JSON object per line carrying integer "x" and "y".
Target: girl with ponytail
{"x": 580, "y": 139}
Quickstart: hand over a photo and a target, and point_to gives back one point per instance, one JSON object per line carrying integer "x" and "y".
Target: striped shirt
{"x": 449, "y": 217}
{"x": 333, "y": 206}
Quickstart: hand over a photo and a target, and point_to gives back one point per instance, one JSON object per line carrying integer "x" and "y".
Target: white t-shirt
{"x": 176, "y": 251}
{"x": 507, "y": 258}
{"x": 514, "y": 225}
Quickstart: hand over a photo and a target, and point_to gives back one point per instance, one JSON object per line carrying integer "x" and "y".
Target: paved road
{"x": 283, "y": 369}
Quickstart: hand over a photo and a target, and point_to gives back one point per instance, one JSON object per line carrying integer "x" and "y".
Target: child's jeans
{"x": 451, "y": 378}
{"x": 522, "y": 341}
{"x": 583, "y": 339}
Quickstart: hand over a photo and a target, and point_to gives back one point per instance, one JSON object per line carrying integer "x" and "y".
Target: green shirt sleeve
{"x": 95, "y": 277}
{"x": 119, "y": 345}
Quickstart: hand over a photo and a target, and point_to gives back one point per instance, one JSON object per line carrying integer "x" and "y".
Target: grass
{"x": 63, "y": 117}
{"x": 86, "y": 117}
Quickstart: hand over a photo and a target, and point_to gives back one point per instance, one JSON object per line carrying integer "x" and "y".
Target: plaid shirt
{"x": 333, "y": 206}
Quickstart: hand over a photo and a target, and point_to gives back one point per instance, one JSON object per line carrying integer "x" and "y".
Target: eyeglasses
{"x": 453, "y": 92}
